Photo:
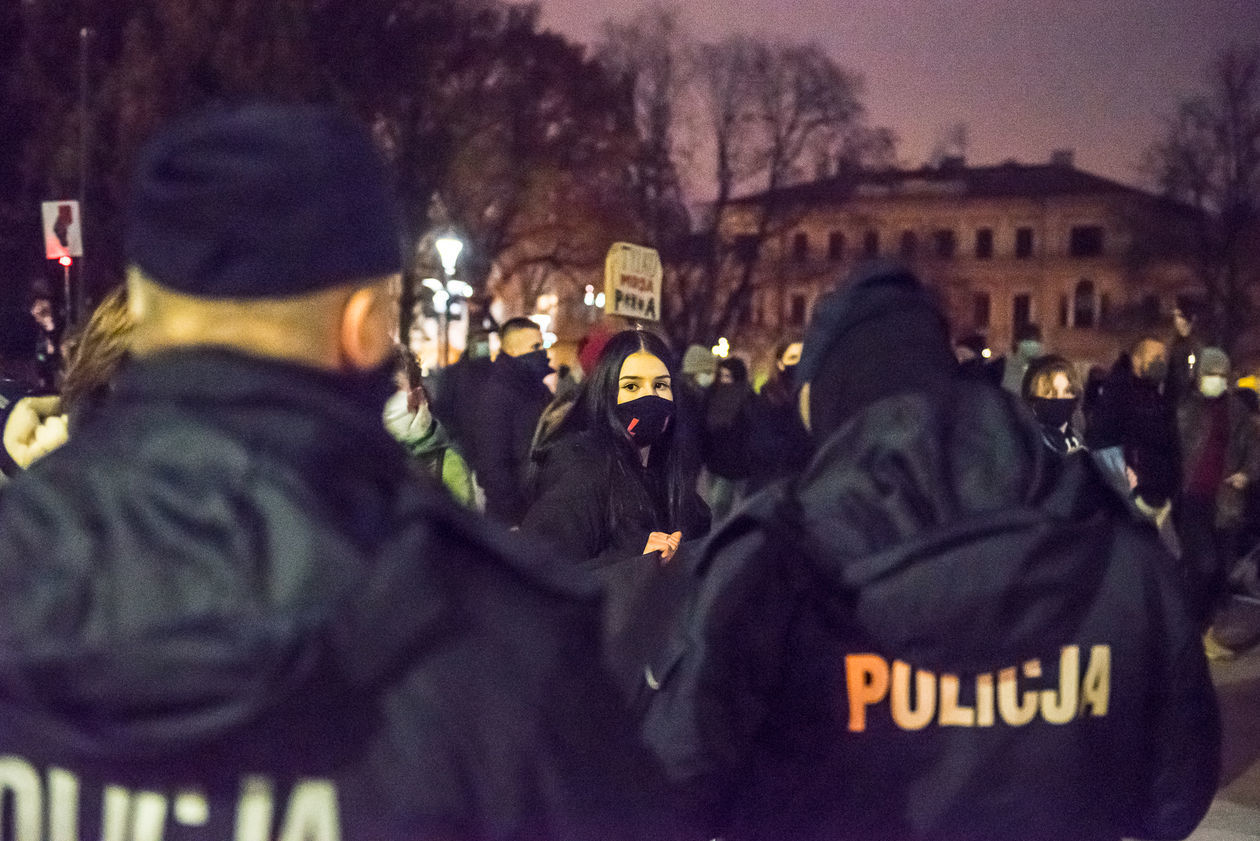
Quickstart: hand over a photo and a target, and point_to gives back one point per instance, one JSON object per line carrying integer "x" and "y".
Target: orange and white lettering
{"x": 254, "y": 810}
{"x": 115, "y": 810}
{"x": 867, "y": 678}
{"x": 905, "y": 716}
{"x": 954, "y": 714}
{"x": 148, "y": 816}
{"x": 984, "y": 700}
{"x": 20, "y": 785}
{"x": 1096, "y": 687}
{"x": 1060, "y": 707}
{"x": 63, "y": 805}
{"x": 312, "y": 814}
{"x": 1009, "y": 707}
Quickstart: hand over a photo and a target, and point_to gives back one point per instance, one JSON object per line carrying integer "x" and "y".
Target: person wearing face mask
{"x": 1052, "y": 390}
{"x": 779, "y": 443}
{"x": 1220, "y": 449}
{"x": 513, "y": 400}
{"x": 230, "y": 605}
{"x": 894, "y": 645}
{"x": 1025, "y": 348}
{"x": 617, "y": 479}
{"x": 410, "y": 421}
{"x": 1132, "y": 432}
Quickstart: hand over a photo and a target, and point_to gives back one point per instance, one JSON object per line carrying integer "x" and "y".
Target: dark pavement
{"x": 1235, "y": 814}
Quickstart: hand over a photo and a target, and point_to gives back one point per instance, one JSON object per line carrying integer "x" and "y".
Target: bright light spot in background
{"x": 542, "y": 319}
{"x": 986, "y": 353}
{"x": 549, "y": 339}
{"x": 1189, "y": 359}
{"x": 722, "y": 348}
{"x": 432, "y": 284}
{"x": 65, "y": 261}
{"x": 589, "y": 298}
{"x": 599, "y": 299}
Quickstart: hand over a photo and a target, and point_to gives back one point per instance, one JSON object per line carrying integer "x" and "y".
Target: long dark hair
{"x": 673, "y": 462}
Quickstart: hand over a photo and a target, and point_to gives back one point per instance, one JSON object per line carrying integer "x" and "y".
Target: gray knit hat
{"x": 1213, "y": 360}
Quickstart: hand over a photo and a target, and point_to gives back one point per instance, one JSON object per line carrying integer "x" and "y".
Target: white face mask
{"x": 1212, "y": 386}
{"x": 704, "y": 380}
{"x": 400, "y": 421}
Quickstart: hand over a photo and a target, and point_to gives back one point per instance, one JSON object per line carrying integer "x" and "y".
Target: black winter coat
{"x": 943, "y": 631}
{"x": 595, "y": 510}
{"x": 510, "y": 406}
{"x": 231, "y": 612}
{"x": 1132, "y": 413}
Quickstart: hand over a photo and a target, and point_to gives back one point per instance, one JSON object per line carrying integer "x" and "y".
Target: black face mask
{"x": 536, "y": 363}
{"x": 645, "y": 419}
{"x": 1156, "y": 372}
{"x": 789, "y": 374}
{"x": 1054, "y": 411}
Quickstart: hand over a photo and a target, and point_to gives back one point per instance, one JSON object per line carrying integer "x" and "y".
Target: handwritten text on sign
{"x": 632, "y": 282}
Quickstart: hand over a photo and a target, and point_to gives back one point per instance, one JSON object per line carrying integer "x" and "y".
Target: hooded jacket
{"x": 232, "y": 612}
{"x": 940, "y": 632}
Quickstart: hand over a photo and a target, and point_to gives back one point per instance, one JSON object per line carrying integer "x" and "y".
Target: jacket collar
{"x": 303, "y": 404}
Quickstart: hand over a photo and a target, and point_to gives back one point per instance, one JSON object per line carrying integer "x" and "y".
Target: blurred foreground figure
{"x": 229, "y": 609}
{"x": 942, "y": 630}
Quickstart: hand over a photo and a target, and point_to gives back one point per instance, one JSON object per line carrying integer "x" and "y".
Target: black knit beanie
{"x": 262, "y": 201}
{"x": 880, "y": 334}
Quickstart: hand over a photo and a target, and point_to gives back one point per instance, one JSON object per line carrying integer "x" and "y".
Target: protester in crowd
{"x": 511, "y": 404}
{"x": 566, "y": 383}
{"x": 409, "y": 420}
{"x": 1094, "y": 380}
{"x": 1220, "y": 446}
{"x": 1025, "y": 348}
{"x": 30, "y": 418}
{"x": 457, "y": 391}
{"x": 44, "y": 423}
{"x": 1132, "y": 432}
{"x": 778, "y": 443}
{"x": 95, "y": 357}
{"x": 933, "y": 633}
{"x": 1183, "y": 353}
{"x": 973, "y": 364}
{"x": 618, "y": 479}
{"x": 729, "y": 416}
{"x": 1052, "y": 390}
{"x": 228, "y": 600}
{"x": 699, "y": 367}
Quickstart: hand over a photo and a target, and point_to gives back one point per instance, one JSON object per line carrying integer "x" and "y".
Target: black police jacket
{"x": 231, "y": 613}
{"x": 942, "y": 631}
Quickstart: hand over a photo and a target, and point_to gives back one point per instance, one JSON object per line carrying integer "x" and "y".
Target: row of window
{"x": 1085, "y": 309}
{"x": 1083, "y": 241}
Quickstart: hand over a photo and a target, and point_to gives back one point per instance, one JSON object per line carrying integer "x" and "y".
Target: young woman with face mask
{"x": 780, "y": 445}
{"x": 1053, "y": 390}
{"x": 618, "y": 478}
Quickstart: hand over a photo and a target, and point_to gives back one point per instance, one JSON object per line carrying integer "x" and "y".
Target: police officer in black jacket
{"x": 229, "y": 609}
{"x": 940, "y": 630}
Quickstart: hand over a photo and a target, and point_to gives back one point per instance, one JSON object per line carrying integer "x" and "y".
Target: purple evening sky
{"x": 1027, "y": 76}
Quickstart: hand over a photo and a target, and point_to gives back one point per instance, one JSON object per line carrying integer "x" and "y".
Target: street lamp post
{"x": 448, "y": 248}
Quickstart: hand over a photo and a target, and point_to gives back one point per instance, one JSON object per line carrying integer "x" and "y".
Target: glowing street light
{"x": 449, "y": 247}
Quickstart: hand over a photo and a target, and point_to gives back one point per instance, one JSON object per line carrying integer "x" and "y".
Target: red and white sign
{"x": 63, "y": 229}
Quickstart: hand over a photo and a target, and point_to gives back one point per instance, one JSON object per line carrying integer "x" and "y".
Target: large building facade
{"x": 1005, "y": 245}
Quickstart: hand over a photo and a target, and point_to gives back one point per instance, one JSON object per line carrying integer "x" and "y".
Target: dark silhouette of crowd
{"x": 260, "y": 576}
